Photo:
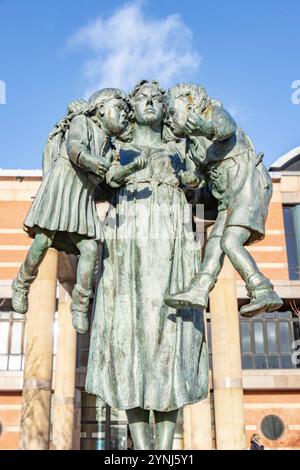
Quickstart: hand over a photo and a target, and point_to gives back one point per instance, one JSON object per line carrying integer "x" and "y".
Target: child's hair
{"x": 105, "y": 95}
{"x": 197, "y": 93}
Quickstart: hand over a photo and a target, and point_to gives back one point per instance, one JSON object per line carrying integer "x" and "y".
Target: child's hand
{"x": 97, "y": 166}
{"x": 195, "y": 123}
{"x": 188, "y": 178}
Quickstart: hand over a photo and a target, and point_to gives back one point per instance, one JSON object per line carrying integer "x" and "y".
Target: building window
{"x": 272, "y": 427}
{"x": 291, "y": 244}
{"x": 12, "y": 338}
{"x": 105, "y": 428}
{"x": 268, "y": 341}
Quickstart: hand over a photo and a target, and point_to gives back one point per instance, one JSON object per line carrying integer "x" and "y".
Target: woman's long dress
{"x": 143, "y": 353}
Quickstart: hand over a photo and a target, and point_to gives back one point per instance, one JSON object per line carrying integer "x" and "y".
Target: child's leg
{"x": 29, "y": 269}
{"x": 196, "y": 294}
{"x": 263, "y": 298}
{"x": 89, "y": 252}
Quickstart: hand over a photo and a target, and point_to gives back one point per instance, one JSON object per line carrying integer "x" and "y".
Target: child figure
{"x": 240, "y": 183}
{"x": 63, "y": 214}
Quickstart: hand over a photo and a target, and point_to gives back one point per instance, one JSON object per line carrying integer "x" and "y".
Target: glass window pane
{"x": 16, "y": 339}
{"x": 271, "y": 335}
{"x": 296, "y": 330}
{"x": 14, "y": 362}
{"x": 285, "y": 343}
{"x": 259, "y": 337}
{"x": 4, "y": 330}
{"x": 260, "y": 362}
{"x": 3, "y": 362}
{"x": 270, "y": 315}
{"x": 246, "y": 338}
{"x": 286, "y": 362}
{"x": 272, "y": 427}
{"x": 288, "y": 220}
{"x": 294, "y": 273}
{"x": 284, "y": 315}
{"x": 118, "y": 437}
{"x": 247, "y": 361}
{"x": 273, "y": 362}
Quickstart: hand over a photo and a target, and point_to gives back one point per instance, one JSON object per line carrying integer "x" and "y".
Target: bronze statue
{"x": 225, "y": 155}
{"x": 63, "y": 214}
{"x": 144, "y": 355}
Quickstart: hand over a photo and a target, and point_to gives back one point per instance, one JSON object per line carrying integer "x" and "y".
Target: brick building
{"x": 269, "y": 353}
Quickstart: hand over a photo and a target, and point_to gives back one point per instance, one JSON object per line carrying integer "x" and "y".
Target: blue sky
{"x": 247, "y": 54}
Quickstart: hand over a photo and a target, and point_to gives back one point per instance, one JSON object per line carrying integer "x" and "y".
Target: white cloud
{"x": 129, "y": 46}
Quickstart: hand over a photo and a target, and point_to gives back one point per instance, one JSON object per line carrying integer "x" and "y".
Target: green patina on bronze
{"x": 225, "y": 156}
{"x": 144, "y": 355}
{"x": 63, "y": 214}
{"x": 148, "y": 349}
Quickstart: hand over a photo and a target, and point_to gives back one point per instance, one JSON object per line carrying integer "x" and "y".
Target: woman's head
{"x": 148, "y": 101}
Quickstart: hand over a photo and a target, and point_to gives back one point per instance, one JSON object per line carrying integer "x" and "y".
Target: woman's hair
{"x": 153, "y": 83}
{"x": 167, "y": 135}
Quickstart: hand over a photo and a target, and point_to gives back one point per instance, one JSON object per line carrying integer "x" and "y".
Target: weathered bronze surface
{"x": 148, "y": 349}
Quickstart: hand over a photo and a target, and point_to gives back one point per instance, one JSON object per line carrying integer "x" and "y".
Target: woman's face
{"x": 148, "y": 105}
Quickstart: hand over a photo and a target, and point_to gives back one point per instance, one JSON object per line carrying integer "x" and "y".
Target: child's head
{"x": 112, "y": 107}
{"x": 184, "y": 99}
{"x": 77, "y": 106}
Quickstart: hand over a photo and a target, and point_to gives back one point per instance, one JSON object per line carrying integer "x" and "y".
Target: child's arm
{"x": 117, "y": 173}
{"x": 78, "y": 149}
{"x": 192, "y": 177}
{"x": 220, "y": 127}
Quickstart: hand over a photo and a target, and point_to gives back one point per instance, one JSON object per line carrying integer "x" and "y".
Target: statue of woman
{"x": 144, "y": 355}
